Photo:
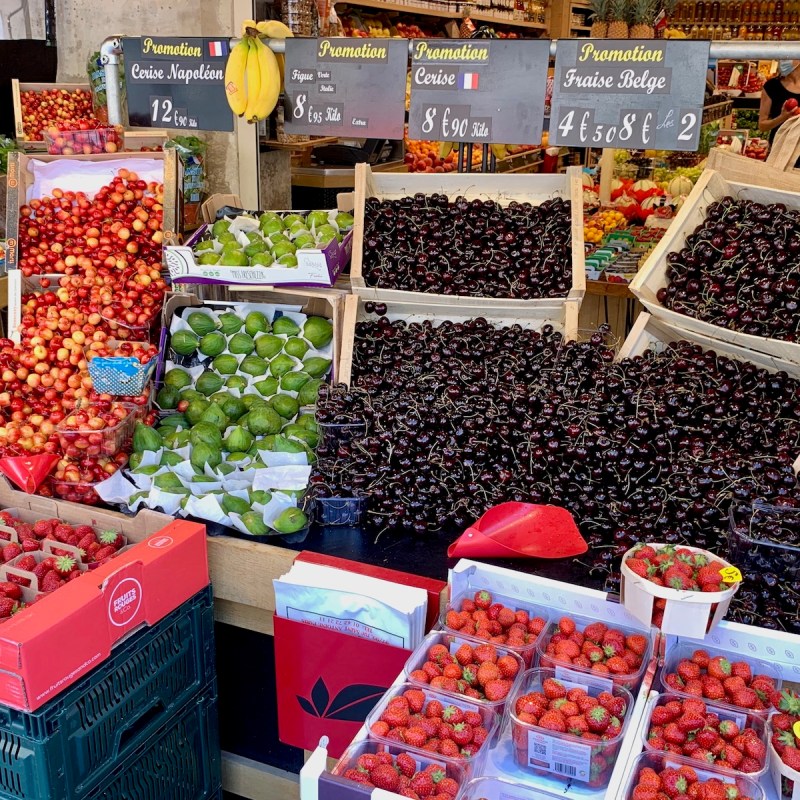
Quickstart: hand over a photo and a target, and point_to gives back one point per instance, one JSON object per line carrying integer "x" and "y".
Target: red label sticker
{"x": 125, "y": 601}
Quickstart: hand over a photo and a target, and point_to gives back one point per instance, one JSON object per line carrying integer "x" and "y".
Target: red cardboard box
{"x": 47, "y": 647}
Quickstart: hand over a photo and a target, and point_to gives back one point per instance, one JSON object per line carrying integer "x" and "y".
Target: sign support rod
{"x": 110, "y": 51}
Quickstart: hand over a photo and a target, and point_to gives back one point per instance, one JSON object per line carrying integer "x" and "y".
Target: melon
{"x": 679, "y": 186}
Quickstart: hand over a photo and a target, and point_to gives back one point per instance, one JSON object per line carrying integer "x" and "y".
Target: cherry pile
{"x": 464, "y": 416}
{"x": 428, "y": 243}
{"x": 740, "y": 270}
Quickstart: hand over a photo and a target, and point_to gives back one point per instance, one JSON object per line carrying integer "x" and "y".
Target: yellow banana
{"x": 273, "y": 29}
{"x": 269, "y": 83}
{"x": 235, "y": 78}
{"x": 248, "y": 23}
{"x": 253, "y": 76}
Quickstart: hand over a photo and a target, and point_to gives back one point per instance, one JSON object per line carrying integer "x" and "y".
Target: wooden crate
{"x": 769, "y": 187}
{"x": 16, "y": 88}
{"x": 328, "y": 303}
{"x": 562, "y": 315}
{"x": 500, "y": 187}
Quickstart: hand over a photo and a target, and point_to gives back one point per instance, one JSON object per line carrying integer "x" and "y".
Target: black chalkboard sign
{"x": 634, "y": 94}
{"x": 346, "y": 87}
{"x": 478, "y": 90}
{"x": 177, "y": 83}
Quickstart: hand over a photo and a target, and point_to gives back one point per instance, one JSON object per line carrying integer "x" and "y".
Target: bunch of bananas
{"x": 253, "y": 73}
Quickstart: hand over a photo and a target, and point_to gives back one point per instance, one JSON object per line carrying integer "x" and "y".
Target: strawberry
{"x": 508, "y": 666}
{"x": 446, "y": 786}
{"x": 434, "y": 709}
{"x": 756, "y": 749}
{"x": 598, "y": 719}
{"x": 462, "y": 734}
{"x": 744, "y": 698}
{"x": 27, "y": 563}
{"x": 553, "y": 721}
{"x": 42, "y": 528}
{"x": 357, "y": 775}
{"x": 50, "y": 582}
{"x": 719, "y": 667}
{"x": 613, "y": 704}
{"x": 640, "y": 567}
{"x": 673, "y": 782}
{"x": 30, "y": 545}
{"x": 8, "y": 606}
{"x": 641, "y": 792}
{"x": 791, "y": 757}
{"x": 448, "y": 748}
{"x": 482, "y": 599}
{"x": 566, "y": 626}
{"x": 452, "y": 714}
{"x": 65, "y": 565}
{"x": 497, "y": 689}
{"x": 9, "y": 589}
{"x": 438, "y": 653}
{"x": 674, "y": 734}
{"x": 415, "y": 736}
{"x": 62, "y": 532}
{"x": 385, "y": 777}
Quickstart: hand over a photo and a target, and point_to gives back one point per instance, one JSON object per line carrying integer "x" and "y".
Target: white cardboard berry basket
{"x": 688, "y": 613}
{"x": 779, "y": 773}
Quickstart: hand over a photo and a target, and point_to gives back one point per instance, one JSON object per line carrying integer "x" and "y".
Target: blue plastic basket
{"x": 55, "y": 753}
{"x": 120, "y": 374}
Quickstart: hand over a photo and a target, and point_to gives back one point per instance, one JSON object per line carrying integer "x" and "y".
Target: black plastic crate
{"x": 179, "y": 761}
{"x": 55, "y": 752}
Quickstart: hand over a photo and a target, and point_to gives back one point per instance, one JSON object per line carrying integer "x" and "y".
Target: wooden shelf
{"x": 444, "y": 13}
{"x": 586, "y": 28}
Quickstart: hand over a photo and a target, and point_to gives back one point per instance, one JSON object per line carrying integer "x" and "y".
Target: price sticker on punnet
{"x": 636, "y": 94}
{"x": 346, "y": 87}
{"x": 479, "y": 90}
{"x": 177, "y": 83}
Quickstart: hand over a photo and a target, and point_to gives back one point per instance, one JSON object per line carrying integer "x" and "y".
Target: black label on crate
{"x": 177, "y": 83}
{"x": 635, "y": 94}
{"x": 346, "y": 87}
{"x": 478, "y": 90}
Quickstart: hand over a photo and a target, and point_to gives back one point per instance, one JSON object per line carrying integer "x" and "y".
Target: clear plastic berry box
{"x": 82, "y": 492}
{"x": 751, "y": 550}
{"x": 748, "y": 787}
{"x": 333, "y": 434}
{"x": 488, "y": 788}
{"x": 340, "y": 511}
{"x": 83, "y": 142}
{"x": 684, "y": 650}
{"x": 349, "y": 760}
{"x": 89, "y": 441}
{"x": 740, "y": 717}
{"x": 567, "y": 671}
{"x": 564, "y": 756}
{"x": 491, "y": 721}
{"x": 452, "y": 641}
{"x": 526, "y": 652}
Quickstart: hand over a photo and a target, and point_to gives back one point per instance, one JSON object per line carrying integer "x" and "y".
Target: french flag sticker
{"x": 218, "y": 48}
{"x": 468, "y": 80}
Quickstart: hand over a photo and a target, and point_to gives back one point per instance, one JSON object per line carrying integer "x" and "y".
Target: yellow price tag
{"x": 796, "y": 729}
{"x": 730, "y": 575}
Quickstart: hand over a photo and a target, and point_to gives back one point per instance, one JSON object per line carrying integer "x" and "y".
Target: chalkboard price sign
{"x": 635, "y": 94}
{"x": 346, "y": 87}
{"x": 463, "y": 90}
{"x": 177, "y": 83}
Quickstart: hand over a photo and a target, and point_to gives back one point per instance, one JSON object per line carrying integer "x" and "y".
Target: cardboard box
{"x": 502, "y": 188}
{"x": 314, "y": 267}
{"x": 49, "y": 646}
{"x": 19, "y": 129}
{"x": 319, "y": 302}
{"x": 19, "y": 179}
{"x": 135, "y": 528}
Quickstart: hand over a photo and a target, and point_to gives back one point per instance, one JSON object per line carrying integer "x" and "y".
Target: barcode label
{"x": 559, "y": 756}
{"x": 583, "y": 680}
{"x": 565, "y": 769}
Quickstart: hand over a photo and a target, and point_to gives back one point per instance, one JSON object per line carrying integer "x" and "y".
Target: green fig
{"x": 316, "y": 366}
{"x": 253, "y": 365}
{"x": 167, "y": 397}
{"x": 264, "y": 421}
{"x": 184, "y": 342}
{"x": 233, "y": 407}
{"x": 234, "y": 259}
{"x": 290, "y": 520}
{"x": 255, "y": 322}
{"x": 291, "y": 219}
{"x": 308, "y": 422}
{"x": 201, "y": 323}
{"x": 216, "y": 416}
{"x": 280, "y": 365}
{"x": 241, "y": 343}
{"x": 268, "y": 346}
{"x": 168, "y": 481}
{"x": 230, "y": 323}
{"x": 285, "y": 326}
{"x": 170, "y": 459}
{"x": 307, "y": 396}
{"x": 177, "y": 378}
{"x": 259, "y": 496}
{"x": 212, "y": 344}
{"x": 219, "y": 227}
{"x": 285, "y": 405}
{"x": 208, "y": 383}
{"x": 145, "y": 438}
{"x": 232, "y": 504}
{"x": 238, "y": 440}
{"x": 288, "y": 260}
{"x": 294, "y": 381}
{"x": 196, "y": 410}
{"x": 206, "y": 432}
{"x": 317, "y": 218}
{"x": 206, "y": 244}
{"x": 226, "y": 364}
{"x": 267, "y": 387}
{"x": 134, "y": 460}
{"x": 203, "y": 454}
{"x": 345, "y": 221}
{"x": 272, "y": 226}
{"x": 282, "y": 249}
{"x": 295, "y": 347}
{"x": 318, "y": 331}
{"x": 236, "y": 382}
{"x": 284, "y": 445}
{"x": 226, "y": 237}
{"x": 254, "y": 522}
{"x": 208, "y": 259}
{"x": 262, "y": 260}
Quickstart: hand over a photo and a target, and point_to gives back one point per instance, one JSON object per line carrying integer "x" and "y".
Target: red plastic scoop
{"x": 521, "y": 530}
{"x": 27, "y": 472}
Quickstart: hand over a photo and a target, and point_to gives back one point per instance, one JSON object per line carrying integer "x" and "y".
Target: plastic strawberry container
{"x": 349, "y": 760}
{"x": 453, "y": 641}
{"x": 684, "y": 650}
{"x": 491, "y": 721}
{"x": 748, "y": 787}
{"x": 340, "y": 511}
{"x": 526, "y": 652}
{"x": 564, "y": 756}
{"x": 739, "y": 716}
{"x": 488, "y": 788}
{"x": 568, "y": 671}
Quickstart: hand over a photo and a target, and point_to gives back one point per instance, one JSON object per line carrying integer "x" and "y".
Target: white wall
{"x": 17, "y": 26}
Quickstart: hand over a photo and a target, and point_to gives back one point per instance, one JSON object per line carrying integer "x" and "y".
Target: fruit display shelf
{"x": 779, "y": 292}
{"x": 65, "y": 102}
{"x": 562, "y": 315}
{"x": 500, "y": 188}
